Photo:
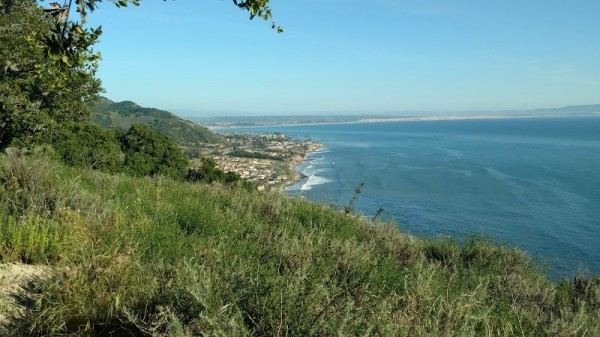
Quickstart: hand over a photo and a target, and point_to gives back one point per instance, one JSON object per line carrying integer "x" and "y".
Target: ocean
{"x": 532, "y": 183}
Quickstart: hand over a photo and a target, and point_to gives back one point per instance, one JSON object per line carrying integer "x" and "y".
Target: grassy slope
{"x": 157, "y": 257}
{"x": 122, "y": 115}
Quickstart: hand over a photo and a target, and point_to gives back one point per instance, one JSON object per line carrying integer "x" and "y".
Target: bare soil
{"x": 16, "y": 289}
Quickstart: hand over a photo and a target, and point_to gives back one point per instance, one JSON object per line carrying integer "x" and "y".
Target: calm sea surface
{"x": 531, "y": 183}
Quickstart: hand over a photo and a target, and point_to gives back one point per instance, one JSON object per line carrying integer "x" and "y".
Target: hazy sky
{"x": 352, "y": 56}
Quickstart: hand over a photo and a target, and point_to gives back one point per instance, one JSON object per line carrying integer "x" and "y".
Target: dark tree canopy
{"x": 149, "y": 153}
{"x": 68, "y": 34}
{"x": 37, "y": 89}
{"x": 90, "y": 146}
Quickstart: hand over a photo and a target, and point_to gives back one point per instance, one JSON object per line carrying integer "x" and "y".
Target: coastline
{"x": 402, "y": 119}
{"x": 293, "y": 174}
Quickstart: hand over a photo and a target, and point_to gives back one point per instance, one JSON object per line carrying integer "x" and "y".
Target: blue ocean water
{"x": 532, "y": 183}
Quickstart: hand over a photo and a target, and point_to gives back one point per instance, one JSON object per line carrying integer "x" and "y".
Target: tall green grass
{"x": 155, "y": 257}
{"x": 31, "y": 240}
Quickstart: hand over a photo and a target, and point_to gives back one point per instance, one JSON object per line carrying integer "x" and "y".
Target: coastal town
{"x": 267, "y": 160}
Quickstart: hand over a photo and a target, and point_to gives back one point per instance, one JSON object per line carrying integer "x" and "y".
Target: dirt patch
{"x": 16, "y": 289}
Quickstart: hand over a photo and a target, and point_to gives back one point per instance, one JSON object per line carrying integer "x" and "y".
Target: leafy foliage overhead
{"x": 70, "y": 38}
{"x": 41, "y": 87}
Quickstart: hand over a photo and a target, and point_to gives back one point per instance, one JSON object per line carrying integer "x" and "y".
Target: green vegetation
{"x": 86, "y": 145}
{"x": 158, "y": 257}
{"x": 123, "y": 115}
{"x": 149, "y": 153}
{"x": 137, "y": 251}
{"x": 48, "y": 72}
{"x": 208, "y": 172}
{"x": 38, "y": 89}
{"x": 139, "y": 152}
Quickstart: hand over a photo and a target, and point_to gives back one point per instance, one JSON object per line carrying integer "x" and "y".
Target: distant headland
{"x": 224, "y": 122}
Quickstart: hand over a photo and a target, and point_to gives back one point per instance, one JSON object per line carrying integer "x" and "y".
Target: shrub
{"x": 149, "y": 153}
{"x": 89, "y": 146}
{"x": 208, "y": 172}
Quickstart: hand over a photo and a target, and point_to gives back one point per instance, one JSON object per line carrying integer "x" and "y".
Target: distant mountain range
{"x": 122, "y": 115}
{"x": 566, "y": 110}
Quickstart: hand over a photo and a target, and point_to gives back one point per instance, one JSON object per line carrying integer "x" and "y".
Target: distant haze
{"x": 585, "y": 110}
{"x": 352, "y": 57}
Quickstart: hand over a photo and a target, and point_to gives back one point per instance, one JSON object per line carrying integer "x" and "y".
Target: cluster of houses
{"x": 266, "y": 158}
{"x": 259, "y": 171}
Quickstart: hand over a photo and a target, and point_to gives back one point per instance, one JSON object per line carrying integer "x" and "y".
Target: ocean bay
{"x": 531, "y": 183}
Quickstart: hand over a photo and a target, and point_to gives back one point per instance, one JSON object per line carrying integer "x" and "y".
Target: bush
{"x": 89, "y": 146}
{"x": 208, "y": 172}
{"x": 149, "y": 153}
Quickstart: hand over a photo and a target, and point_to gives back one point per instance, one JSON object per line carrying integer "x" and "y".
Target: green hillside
{"x": 156, "y": 257}
{"x": 122, "y": 115}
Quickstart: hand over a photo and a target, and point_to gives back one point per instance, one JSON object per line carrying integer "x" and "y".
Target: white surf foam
{"x": 314, "y": 180}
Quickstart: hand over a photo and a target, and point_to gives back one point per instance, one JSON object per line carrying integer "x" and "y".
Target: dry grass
{"x": 154, "y": 257}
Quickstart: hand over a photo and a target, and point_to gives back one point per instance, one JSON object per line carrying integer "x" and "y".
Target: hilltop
{"x": 159, "y": 257}
{"x": 121, "y": 115}
{"x": 571, "y": 109}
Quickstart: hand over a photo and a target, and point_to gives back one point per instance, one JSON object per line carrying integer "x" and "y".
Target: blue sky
{"x": 349, "y": 56}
